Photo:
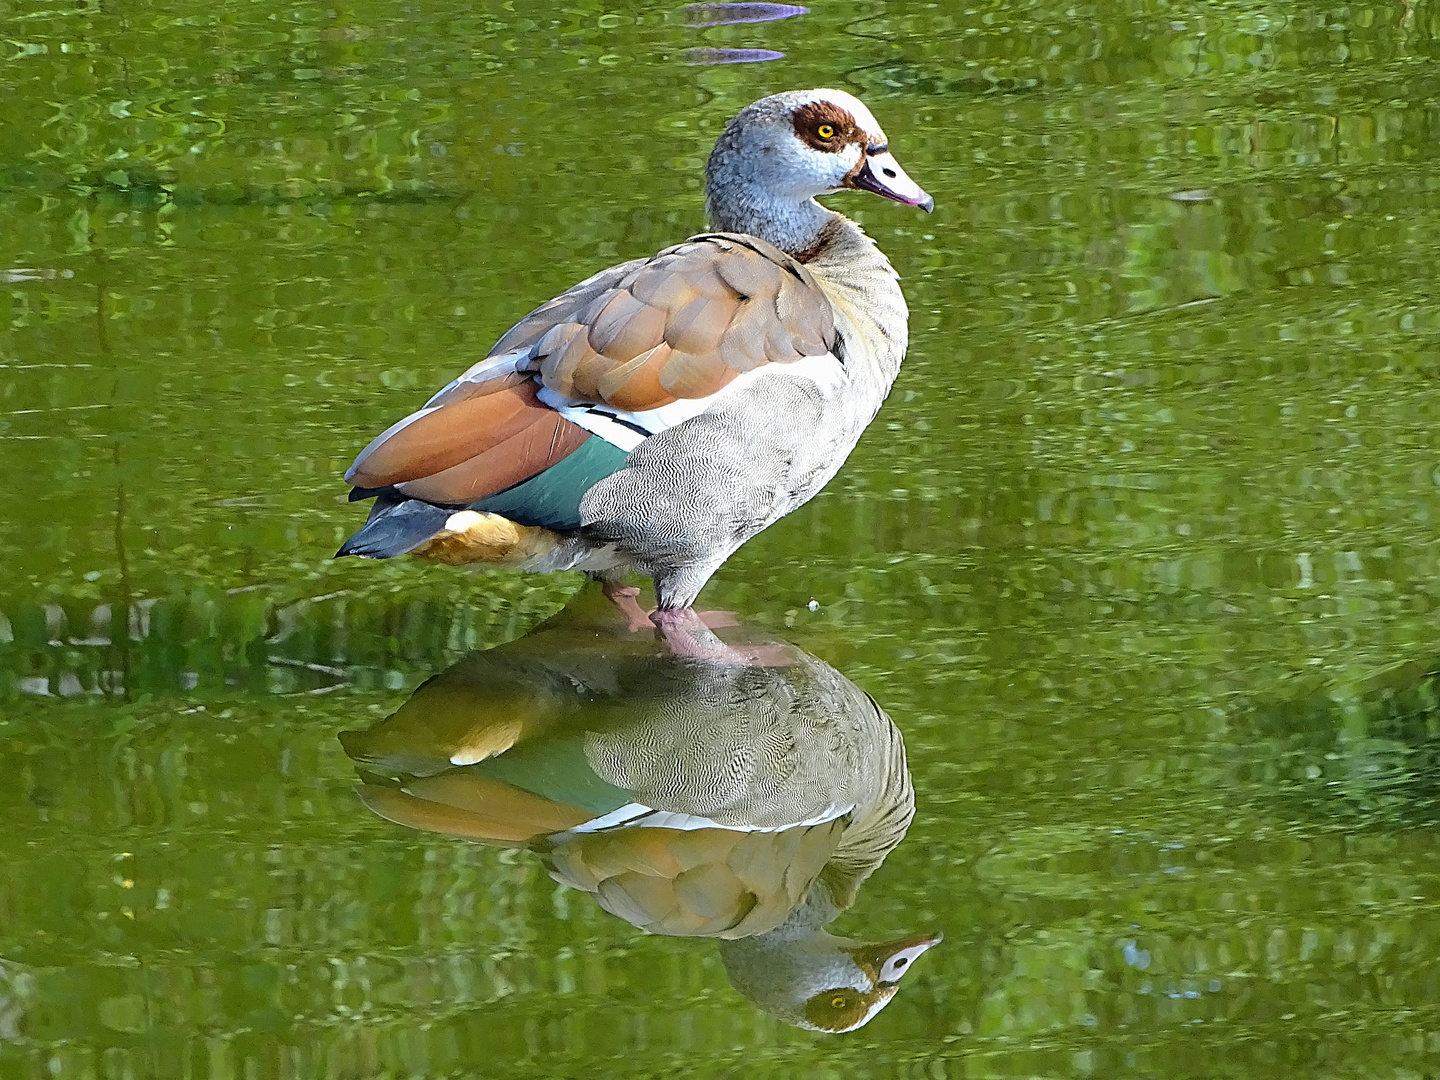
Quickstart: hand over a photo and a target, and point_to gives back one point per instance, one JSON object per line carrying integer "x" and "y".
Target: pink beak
{"x": 882, "y": 174}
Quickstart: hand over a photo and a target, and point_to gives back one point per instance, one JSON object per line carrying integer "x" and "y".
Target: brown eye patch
{"x": 825, "y": 126}
{"x": 836, "y": 1010}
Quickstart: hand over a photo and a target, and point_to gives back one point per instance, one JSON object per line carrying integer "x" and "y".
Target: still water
{"x": 1140, "y": 556}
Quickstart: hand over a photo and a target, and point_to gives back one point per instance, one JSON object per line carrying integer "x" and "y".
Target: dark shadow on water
{"x": 690, "y": 798}
{"x": 1363, "y": 754}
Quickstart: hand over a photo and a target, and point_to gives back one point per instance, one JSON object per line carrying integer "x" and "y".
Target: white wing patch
{"x": 627, "y": 430}
{"x": 638, "y": 815}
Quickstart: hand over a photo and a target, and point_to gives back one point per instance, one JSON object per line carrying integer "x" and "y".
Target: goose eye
{"x": 825, "y": 131}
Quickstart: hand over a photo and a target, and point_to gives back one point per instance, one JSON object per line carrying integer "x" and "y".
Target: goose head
{"x": 814, "y": 980}
{"x": 778, "y": 153}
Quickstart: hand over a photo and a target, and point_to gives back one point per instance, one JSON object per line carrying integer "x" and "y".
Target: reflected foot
{"x": 623, "y": 597}
{"x": 638, "y": 619}
{"x": 687, "y": 634}
{"x": 718, "y": 620}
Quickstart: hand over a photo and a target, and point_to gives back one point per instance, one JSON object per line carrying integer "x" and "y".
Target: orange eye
{"x": 825, "y": 131}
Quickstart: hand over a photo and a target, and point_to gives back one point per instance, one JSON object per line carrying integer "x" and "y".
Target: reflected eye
{"x": 825, "y": 131}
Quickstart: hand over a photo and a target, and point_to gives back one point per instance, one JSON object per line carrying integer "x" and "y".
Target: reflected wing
{"x": 472, "y": 807}
{"x": 695, "y": 883}
{"x": 681, "y": 325}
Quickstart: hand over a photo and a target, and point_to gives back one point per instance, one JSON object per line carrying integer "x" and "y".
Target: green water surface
{"x": 1141, "y": 554}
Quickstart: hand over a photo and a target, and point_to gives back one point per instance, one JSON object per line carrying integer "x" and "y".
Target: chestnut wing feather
{"x": 450, "y": 447}
{"x": 635, "y": 337}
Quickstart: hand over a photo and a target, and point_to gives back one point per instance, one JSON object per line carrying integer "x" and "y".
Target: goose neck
{"x": 795, "y": 227}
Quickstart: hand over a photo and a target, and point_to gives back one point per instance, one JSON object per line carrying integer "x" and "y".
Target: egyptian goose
{"x": 659, "y": 414}
{"x": 747, "y": 804}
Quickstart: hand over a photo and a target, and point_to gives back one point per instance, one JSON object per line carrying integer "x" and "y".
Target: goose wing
{"x": 681, "y": 325}
{"x": 613, "y": 355}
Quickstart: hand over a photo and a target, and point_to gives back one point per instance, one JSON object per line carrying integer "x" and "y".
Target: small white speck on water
{"x": 814, "y": 605}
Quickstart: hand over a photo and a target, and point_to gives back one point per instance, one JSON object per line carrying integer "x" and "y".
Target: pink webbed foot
{"x": 687, "y": 634}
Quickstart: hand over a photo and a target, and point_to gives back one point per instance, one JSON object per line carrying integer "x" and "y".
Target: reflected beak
{"x": 886, "y": 961}
{"x": 882, "y": 174}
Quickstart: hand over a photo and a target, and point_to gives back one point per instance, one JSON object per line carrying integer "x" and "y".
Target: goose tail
{"x": 457, "y": 537}
{"x": 396, "y": 527}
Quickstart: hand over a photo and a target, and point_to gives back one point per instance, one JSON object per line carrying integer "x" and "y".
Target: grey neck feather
{"x": 733, "y": 206}
{"x": 778, "y": 970}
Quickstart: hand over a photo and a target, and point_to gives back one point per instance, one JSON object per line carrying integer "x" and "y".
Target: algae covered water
{"x": 1140, "y": 555}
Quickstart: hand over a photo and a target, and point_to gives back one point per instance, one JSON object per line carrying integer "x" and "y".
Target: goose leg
{"x": 623, "y": 597}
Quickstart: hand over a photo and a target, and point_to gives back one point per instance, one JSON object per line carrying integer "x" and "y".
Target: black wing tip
{"x": 357, "y": 546}
{"x": 395, "y": 528}
{"x": 359, "y": 494}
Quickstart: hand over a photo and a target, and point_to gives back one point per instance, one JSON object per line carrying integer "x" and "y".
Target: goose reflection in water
{"x": 689, "y": 797}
